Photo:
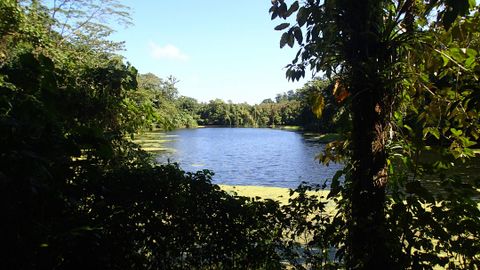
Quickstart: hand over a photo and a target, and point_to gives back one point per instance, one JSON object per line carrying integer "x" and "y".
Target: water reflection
{"x": 247, "y": 156}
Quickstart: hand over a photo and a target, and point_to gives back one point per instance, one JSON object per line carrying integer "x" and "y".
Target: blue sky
{"x": 217, "y": 49}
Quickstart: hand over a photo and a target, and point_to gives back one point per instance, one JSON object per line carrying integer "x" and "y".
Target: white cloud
{"x": 167, "y": 52}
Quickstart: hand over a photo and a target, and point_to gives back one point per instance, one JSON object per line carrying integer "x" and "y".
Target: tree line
{"x": 313, "y": 107}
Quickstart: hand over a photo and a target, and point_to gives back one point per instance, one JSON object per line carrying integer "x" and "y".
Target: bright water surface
{"x": 258, "y": 156}
{"x": 246, "y": 156}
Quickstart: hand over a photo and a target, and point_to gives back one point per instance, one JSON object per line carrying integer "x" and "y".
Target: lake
{"x": 243, "y": 156}
{"x": 258, "y": 156}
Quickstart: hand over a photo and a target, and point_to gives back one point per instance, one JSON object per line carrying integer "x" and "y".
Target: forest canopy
{"x": 169, "y": 110}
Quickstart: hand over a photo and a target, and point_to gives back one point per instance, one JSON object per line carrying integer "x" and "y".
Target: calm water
{"x": 257, "y": 156}
{"x": 247, "y": 156}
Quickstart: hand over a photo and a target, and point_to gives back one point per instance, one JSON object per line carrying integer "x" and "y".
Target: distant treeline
{"x": 313, "y": 107}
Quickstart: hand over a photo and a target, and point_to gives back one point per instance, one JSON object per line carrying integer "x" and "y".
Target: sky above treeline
{"x": 216, "y": 49}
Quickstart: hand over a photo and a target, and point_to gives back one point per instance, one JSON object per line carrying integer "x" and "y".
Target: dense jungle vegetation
{"x": 400, "y": 80}
{"x": 303, "y": 107}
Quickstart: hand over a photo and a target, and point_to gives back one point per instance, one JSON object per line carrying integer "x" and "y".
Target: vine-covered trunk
{"x": 364, "y": 59}
{"x": 367, "y": 231}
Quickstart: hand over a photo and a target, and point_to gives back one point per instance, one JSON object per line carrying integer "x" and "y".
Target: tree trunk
{"x": 363, "y": 51}
{"x": 367, "y": 231}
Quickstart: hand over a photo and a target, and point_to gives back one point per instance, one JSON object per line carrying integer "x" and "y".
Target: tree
{"x": 85, "y": 23}
{"x": 365, "y": 45}
{"x": 268, "y": 100}
{"x": 322, "y": 109}
{"x": 11, "y": 17}
{"x": 188, "y": 104}
{"x": 216, "y": 112}
{"x": 169, "y": 110}
{"x": 75, "y": 193}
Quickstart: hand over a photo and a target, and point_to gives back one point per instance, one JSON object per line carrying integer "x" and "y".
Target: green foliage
{"x": 11, "y": 15}
{"x": 439, "y": 122}
{"x": 162, "y": 106}
{"x": 295, "y": 108}
{"x": 321, "y": 110}
{"x": 76, "y": 194}
{"x": 162, "y": 217}
{"x": 409, "y": 72}
{"x": 53, "y": 129}
{"x": 438, "y": 225}
{"x": 311, "y": 239}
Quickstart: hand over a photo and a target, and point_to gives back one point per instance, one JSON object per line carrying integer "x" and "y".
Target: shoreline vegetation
{"x": 310, "y": 109}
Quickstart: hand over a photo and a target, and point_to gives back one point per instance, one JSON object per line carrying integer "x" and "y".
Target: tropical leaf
{"x": 318, "y": 105}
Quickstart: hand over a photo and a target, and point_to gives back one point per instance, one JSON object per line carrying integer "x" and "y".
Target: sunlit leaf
{"x": 318, "y": 105}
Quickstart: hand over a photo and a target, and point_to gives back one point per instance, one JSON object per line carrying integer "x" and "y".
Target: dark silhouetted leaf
{"x": 284, "y": 40}
{"x": 282, "y": 26}
{"x": 297, "y": 32}
{"x": 291, "y": 40}
{"x": 302, "y": 16}
{"x": 294, "y": 7}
